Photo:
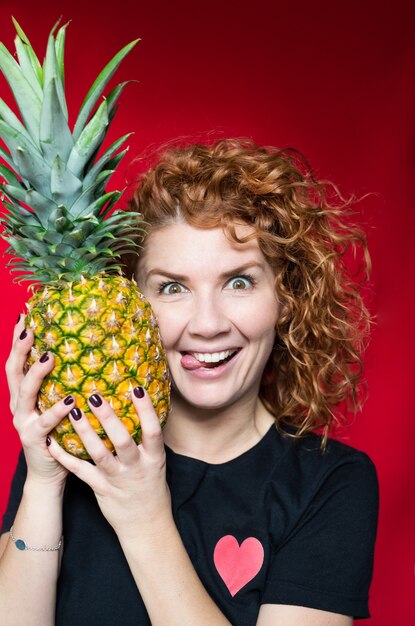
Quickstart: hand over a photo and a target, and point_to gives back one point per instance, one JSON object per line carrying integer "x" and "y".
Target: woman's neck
{"x": 216, "y": 435}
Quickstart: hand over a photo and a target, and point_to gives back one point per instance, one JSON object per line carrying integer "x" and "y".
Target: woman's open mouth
{"x": 208, "y": 360}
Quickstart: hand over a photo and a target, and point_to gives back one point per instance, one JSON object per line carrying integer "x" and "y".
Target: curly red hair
{"x": 304, "y": 230}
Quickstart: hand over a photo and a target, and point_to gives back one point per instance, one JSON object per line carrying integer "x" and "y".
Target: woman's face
{"x": 216, "y": 307}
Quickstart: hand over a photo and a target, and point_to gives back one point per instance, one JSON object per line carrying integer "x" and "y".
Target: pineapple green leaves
{"x": 54, "y": 182}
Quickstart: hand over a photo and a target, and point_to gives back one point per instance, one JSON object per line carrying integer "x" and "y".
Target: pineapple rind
{"x": 104, "y": 339}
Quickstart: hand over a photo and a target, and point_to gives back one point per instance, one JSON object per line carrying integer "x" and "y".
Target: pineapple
{"x": 66, "y": 239}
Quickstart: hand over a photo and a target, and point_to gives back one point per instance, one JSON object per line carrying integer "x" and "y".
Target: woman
{"x": 242, "y": 510}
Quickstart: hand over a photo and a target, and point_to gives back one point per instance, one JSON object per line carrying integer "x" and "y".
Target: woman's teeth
{"x": 212, "y": 357}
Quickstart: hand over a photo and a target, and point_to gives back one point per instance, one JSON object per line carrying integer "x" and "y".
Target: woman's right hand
{"x": 33, "y": 427}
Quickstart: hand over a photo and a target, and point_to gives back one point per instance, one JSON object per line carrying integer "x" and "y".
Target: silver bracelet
{"x": 21, "y": 545}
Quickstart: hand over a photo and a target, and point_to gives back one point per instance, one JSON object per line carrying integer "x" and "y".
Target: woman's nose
{"x": 208, "y": 318}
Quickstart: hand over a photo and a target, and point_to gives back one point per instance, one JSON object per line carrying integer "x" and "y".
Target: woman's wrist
{"x": 38, "y": 523}
{"x": 42, "y": 488}
{"x": 145, "y": 535}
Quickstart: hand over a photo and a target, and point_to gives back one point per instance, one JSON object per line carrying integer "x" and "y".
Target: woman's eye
{"x": 240, "y": 282}
{"x": 171, "y": 288}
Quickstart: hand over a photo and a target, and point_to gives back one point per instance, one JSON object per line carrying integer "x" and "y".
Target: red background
{"x": 336, "y": 81}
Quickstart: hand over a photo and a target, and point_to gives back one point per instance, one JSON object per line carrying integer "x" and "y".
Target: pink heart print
{"x": 238, "y": 564}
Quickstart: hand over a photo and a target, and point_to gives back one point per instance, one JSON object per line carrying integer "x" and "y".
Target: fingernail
{"x": 44, "y": 358}
{"x": 48, "y": 440}
{"x": 138, "y": 392}
{"x": 95, "y": 400}
{"x": 18, "y": 319}
{"x": 68, "y": 400}
{"x": 23, "y": 334}
{"x": 76, "y": 413}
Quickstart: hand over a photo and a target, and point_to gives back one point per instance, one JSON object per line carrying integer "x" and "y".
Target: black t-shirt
{"x": 280, "y": 524}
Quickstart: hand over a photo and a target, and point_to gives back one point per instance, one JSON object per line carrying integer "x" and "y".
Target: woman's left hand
{"x": 130, "y": 488}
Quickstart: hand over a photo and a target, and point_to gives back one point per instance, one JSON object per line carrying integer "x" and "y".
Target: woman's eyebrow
{"x": 229, "y": 273}
{"x": 242, "y": 268}
{"x": 160, "y": 272}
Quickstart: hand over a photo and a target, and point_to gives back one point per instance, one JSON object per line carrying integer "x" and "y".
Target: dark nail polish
{"x": 95, "y": 400}
{"x": 68, "y": 400}
{"x": 23, "y": 334}
{"x": 76, "y": 413}
{"x": 48, "y": 441}
{"x": 44, "y": 358}
{"x": 139, "y": 392}
{"x": 18, "y": 319}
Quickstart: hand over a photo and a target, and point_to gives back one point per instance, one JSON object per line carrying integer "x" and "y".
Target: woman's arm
{"x": 287, "y": 615}
{"x": 168, "y": 583}
{"x": 133, "y": 495}
{"x": 28, "y": 578}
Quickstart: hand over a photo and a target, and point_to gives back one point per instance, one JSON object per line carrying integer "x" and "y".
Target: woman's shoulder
{"x": 338, "y": 465}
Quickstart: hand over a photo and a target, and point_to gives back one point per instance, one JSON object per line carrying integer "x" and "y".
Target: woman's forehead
{"x": 177, "y": 236}
{"x": 185, "y": 247}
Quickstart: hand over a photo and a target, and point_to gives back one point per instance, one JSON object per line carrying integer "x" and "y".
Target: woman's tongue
{"x": 190, "y": 362}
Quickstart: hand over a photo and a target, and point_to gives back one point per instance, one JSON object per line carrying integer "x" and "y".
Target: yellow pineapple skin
{"x": 104, "y": 338}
